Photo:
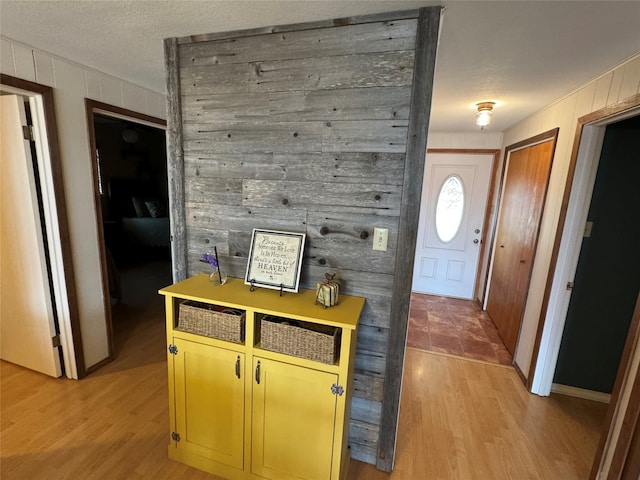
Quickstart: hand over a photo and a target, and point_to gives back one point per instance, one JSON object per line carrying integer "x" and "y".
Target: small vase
{"x": 217, "y": 278}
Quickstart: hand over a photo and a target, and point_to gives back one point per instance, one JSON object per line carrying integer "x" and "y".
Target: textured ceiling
{"x": 522, "y": 54}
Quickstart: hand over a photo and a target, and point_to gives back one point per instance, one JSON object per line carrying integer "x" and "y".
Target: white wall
{"x": 474, "y": 140}
{"x": 72, "y": 83}
{"x": 616, "y": 85}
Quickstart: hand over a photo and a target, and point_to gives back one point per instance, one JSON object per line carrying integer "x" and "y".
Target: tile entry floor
{"x": 456, "y": 327}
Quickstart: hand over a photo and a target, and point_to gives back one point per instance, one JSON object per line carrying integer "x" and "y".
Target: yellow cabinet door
{"x": 293, "y": 421}
{"x": 209, "y": 402}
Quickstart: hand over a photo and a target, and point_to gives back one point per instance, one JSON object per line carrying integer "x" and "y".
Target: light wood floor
{"x": 469, "y": 420}
{"x": 460, "y": 419}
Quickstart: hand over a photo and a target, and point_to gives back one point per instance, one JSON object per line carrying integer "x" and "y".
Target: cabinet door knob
{"x": 238, "y": 366}
{"x": 258, "y": 372}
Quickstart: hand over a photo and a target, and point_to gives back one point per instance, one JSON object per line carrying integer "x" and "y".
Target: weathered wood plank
{"x": 364, "y": 429}
{"x": 175, "y": 161}
{"x": 375, "y": 103}
{"x": 365, "y": 136}
{"x": 350, "y": 39}
{"x": 372, "y": 18}
{"x": 389, "y": 69}
{"x": 365, "y": 410}
{"x": 224, "y": 107}
{"x": 242, "y": 218}
{"x": 363, "y": 453}
{"x": 356, "y": 167}
{"x": 226, "y": 191}
{"x": 371, "y": 363}
{"x": 259, "y": 166}
{"x": 342, "y": 240}
{"x": 368, "y": 168}
{"x": 426, "y": 47}
{"x": 368, "y": 387}
{"x": 348, "y": 71}
{"x": 224, "y": 79}
{"x": 372, "y": 103}
{"x": 204, "y": 239}
{"x": 373, "y": 339}
{"x": 343, "y": 197}
{"x": 364, "y": 434}
{"x": 248, "y": 137}
{"x": 376, "y": 311}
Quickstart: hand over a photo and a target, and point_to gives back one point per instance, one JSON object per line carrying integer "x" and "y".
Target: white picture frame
{"x": 275, "y": 260}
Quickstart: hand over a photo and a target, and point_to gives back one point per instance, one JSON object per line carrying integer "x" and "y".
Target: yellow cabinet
{"x": 242, "y": 411}
{"x": 209, "y": 401}
{"x": 294, "y": 411}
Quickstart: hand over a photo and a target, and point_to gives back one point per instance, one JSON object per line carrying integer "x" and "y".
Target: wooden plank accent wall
{"x": 309, "y": 128}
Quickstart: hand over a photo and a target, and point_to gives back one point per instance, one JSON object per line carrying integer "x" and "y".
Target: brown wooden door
{"x": 524, "y": 189}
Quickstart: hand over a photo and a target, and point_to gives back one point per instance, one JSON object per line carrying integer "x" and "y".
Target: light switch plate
{"x": 380, "y": 239}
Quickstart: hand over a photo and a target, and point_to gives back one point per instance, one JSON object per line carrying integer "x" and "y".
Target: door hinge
{"x": 569, "y": 285}
{"x": 27, "y": 132}
{"x": 337, "y": 389}
{"x": 173, "y": 350}
{"x": 175, "y": 436}
{"x": 55, "y": 341}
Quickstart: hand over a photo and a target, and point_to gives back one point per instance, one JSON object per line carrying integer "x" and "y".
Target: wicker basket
{"x": 212, "y": 321}
{"x": 300, "y": 339}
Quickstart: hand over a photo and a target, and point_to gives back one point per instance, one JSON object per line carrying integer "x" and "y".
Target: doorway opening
{"x": 451, "y": 258}
{"x": 131, "y": 191}
{"x": 606, "y": 285}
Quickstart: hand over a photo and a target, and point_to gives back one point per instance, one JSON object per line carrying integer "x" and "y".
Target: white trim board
{"x": 581, "y": 393}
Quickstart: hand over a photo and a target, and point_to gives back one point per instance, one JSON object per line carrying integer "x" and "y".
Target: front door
{"x": 523, "y": 192}
{"x": 454, "y": 198}
{"x": 26, "y": 307}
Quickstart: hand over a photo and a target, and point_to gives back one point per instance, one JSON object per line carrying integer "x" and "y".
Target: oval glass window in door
{"x": 449, "y": 208}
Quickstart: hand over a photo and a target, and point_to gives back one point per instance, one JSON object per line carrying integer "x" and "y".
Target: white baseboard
{"x": 581, "y": 393}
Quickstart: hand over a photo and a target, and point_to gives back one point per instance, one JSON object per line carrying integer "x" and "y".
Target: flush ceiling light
{"x": 483, "y": 117}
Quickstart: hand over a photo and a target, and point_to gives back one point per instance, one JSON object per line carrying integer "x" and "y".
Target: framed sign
{"x": 275, "y": 260}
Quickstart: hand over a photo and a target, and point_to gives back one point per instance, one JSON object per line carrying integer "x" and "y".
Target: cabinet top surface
{"x": 301, "y": 304}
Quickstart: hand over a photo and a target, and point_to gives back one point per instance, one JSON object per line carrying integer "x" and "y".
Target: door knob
{"x": 476, "y": 241}
{"x": 477, "y": 230}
